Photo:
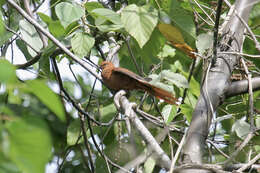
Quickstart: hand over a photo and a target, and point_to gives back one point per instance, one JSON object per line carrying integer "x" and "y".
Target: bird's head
{"x": 106, "y": 64}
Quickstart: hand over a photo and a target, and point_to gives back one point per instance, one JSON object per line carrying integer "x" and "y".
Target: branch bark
{"x": 241, "y": 87}
{"x": 215, "y": 85}
{"x": 122, "y": 102}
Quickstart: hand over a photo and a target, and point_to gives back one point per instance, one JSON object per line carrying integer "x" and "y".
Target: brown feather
{"x": 117, "y": 78}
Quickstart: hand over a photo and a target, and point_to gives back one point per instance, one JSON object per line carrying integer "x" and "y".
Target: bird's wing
{"x": 129, "y": 74}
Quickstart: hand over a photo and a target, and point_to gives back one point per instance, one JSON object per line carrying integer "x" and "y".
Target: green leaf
{"x": 107, "y": 14}
{"x": 14, "y": 18}
{"x": 167, "y": 51}
{"x": 92, "y": 5}
{"x": 6, "y": 165}
{"x": 73, "y": 132}
{"x": 82, "y": 43}
{"x": 29, "y": 144}
{"x": 153, "y": 46}
{"x": 181, "y": 18}
{"x": 242, "y": 128}
{"x": 187, "y": 111}
{"x": 149, "y": 165}
{"x": 55, "y": 27}
{"x": 194, "y": 87}
{"x": 169, "y": 112}
{"x": 106, "y": 20}
{"x": 156, "y": 81}
{"x": 139, "y": 22}
{"x": 23, "y": 47}
{"x": 7, "y": 72}
{"x": 257, "y": 121}
{"x": 47, "y": 96}
{"x": 2, "y": 28}
{"x": 204, "y": 43}
{"x": 45, "y": 18}
{"x": 175, "y": 78}
{"x": 107, "y": 112}
{"x": 31, "y": 36}
{"x": 68, "y": 13}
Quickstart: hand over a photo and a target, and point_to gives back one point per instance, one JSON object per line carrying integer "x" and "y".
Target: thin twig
{"x": 178, "y": 152}
{"x": 251, "y": 162}
{"x": 204, "y": 12}
{"x": 251, "y": 96}
{"x": 240, "y": 54}
{"x": 133, "y": 57}
{"x": 243, "y": 144}
{"x": 246, "y": 26}
{"x": 217, "y": 148}
{"x": 83, "y": 128}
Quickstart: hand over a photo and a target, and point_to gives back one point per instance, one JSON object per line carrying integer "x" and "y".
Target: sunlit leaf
{"x": 187, "y": 111}
{"x": 31, "y": 36}
{"x": 68, "y": 13}
{"x": 173, "y": 35}
{"x": 29, "y": 137}
{"x": 167, "y": 51}
{"x": 2, "y": 28}
{"x": 175, "y": 78}
{"x": 82, "y": 43}
{"x": 242, "y": 128}
{"x": 139, "y": 22}
{"x": 73, "y": 132}
{"x": 169, "y": 112}
{"x": 149, "y": 165}
{"x": 7, "y": 72}
{"x": 92, "y": 5}
{"x": 107, "y": 14}
{"x": 47, "y": 96}
{"x": 204, "y": 42}
{"x": 55, "y": 27}
{"x": 156, "y": 81}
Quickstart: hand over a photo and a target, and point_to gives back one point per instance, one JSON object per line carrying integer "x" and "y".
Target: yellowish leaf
{"x": 173, "y": 35}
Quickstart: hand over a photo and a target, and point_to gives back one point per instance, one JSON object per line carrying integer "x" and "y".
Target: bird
{"x": 117, "y": 78}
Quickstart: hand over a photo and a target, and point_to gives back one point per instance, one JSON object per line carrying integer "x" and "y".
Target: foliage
{"x": 41, "y": 124}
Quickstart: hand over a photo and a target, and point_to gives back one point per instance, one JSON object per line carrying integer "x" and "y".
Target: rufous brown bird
{"x": 117, "y": 78}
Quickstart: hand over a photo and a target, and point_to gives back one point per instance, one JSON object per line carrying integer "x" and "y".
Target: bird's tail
{"x": 159, "y": 93}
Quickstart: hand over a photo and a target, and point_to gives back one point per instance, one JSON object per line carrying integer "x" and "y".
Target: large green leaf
{"x": 2, "y": 28}
{"x": 107, "y": 14}
{"x": 73, "y": 132}
{"x": 68, "y": 13}
{"x": 204, "y": 43}
{"x": 7, "y": 72}
{"x": 55, "y": 27}
{"x": 30, "y": 35}
{"x": 169, "y": 112}
{"x": 82, "y": 43}
{"x": 106, "y": 20}
{"x": 175, "y": 78}
{"x": 139, "y": 22}
{"x": 29, "y": 144}
{"x": 149, "y": 165}
{"x": 242, "y": 128}
{"x": 180, "y": 18}
{"x": 92, "y": 5}
{"x": 47, "y": 96}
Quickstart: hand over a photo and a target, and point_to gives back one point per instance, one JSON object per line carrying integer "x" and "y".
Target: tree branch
{"x": 214, "y": 87}
{"x": 241, "y": 87}
{"x": 122, "y": 102}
